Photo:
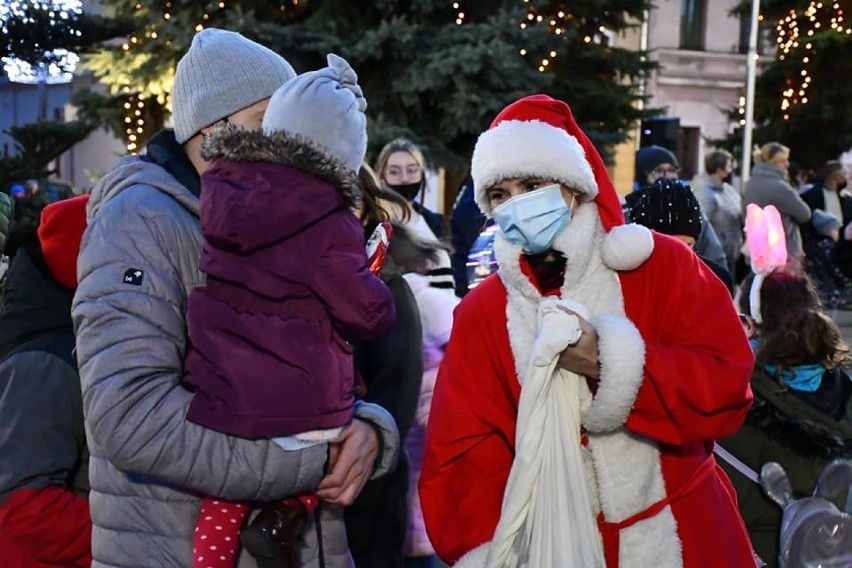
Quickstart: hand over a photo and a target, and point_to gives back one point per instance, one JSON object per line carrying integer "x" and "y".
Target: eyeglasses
{"x": 662, "y": 171}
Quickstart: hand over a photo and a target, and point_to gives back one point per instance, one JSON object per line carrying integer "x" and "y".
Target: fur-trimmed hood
{"x": 262, "y": 189}
{"x": 797, "y": 424}
{"x": 230, "y": 142}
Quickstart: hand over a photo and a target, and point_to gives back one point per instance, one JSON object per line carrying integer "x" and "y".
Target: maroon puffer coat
{"x": 287, "y": 289}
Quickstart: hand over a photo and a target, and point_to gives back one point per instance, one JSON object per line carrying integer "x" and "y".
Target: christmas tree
{"x": 801, "y": 98}
{"x": 40, "y": 43}
{"x": 436, "y": 71}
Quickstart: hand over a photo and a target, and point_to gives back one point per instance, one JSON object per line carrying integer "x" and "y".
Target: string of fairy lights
{"x": 62, "y": 63}
{"x": 459, "y": 13}
{"x": 134, "y": 106}
{"x": 791, "y": 30}
{"x": 556, "y": 24}
{"x": 794, "y": 32}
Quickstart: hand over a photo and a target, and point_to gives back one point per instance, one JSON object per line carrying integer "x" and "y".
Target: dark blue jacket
{"x": 466, "y": 222}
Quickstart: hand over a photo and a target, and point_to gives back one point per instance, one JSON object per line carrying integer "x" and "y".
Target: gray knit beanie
{"x": 325, "y": 106}
{"x": 222, "y": 73}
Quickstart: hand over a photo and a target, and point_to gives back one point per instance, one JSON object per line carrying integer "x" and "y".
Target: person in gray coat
{"x": 768, "y": 185}
{"x": 721, "y": 203}
{"x": 138, "y": 262}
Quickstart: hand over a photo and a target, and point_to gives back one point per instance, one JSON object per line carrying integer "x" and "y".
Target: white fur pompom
{"x": 626, "y": 247}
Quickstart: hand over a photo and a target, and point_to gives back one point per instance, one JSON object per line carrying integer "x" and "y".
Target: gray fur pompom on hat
{"x": 325, "y": 106}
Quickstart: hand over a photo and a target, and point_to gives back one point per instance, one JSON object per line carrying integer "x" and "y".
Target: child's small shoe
{"x": 273, "y": 537}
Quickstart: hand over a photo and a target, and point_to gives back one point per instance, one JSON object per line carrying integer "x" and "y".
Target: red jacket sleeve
{"x": 52, "y": 525}
{"x": 471, "y": 431}
{"x": 697, "y": 359}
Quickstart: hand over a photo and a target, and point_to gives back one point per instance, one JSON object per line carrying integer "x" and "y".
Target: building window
{"x": 693, "y": 17}
{"x": 687, "y": 151}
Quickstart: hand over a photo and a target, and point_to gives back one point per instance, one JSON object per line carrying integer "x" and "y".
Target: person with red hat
{"x": 584, "y": 384}
{"x": 44, "y": 508}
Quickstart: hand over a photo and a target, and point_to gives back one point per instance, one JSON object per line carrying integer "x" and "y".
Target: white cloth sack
{"x": 547, "y": 519}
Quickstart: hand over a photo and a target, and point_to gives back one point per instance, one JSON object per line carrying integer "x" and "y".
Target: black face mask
{"x": 408, "y": 190}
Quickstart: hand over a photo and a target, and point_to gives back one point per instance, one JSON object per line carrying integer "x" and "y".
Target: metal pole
{"x": 643, "y": 46}
{"x": 751, "y": 75}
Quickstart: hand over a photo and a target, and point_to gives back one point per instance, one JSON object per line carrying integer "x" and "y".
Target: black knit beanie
{"x": 668, "y": 207}
{"x": 650, "y": 157}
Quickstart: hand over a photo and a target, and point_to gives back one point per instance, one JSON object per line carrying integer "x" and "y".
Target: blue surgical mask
{"x": 532, "y": 220}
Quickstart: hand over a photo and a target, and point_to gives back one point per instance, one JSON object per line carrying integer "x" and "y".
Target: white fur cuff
{"x": 621, "y": 352}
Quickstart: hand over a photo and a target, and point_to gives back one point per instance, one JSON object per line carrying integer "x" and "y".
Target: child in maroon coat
{"x": 288, "y": 288}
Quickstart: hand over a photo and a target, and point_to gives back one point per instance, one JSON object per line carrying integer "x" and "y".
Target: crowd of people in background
{"x": 201, "y": 363}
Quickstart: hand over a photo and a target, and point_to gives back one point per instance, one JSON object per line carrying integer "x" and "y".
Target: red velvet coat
{"x": 692, "y": 389}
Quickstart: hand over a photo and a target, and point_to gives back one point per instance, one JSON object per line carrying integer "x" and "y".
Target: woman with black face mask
{"x": 401, "y": 168}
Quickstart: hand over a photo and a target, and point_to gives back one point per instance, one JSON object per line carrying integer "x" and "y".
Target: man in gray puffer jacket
{"x": 138, "y": 262}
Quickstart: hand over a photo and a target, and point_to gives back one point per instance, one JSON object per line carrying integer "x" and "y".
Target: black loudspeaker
{"x": 660, "y": 131}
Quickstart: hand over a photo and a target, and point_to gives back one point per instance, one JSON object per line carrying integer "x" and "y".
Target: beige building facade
{"x": 701, "y": 50}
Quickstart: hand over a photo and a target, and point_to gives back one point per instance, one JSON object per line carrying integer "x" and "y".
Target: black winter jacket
{"x": 42, "y": 441}
{"x": 392, "y": 369}
{"x": 802, "y": 432}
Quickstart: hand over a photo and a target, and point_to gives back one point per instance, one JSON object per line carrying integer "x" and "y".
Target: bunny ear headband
{"x": 767, "y": 247}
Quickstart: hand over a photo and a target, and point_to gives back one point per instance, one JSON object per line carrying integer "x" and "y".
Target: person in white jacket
{"x": 436, "y": 304}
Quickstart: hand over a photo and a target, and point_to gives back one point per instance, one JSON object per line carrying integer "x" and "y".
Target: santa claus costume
{"x": 674, "y": 371}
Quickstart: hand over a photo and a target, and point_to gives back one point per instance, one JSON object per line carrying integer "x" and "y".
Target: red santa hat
{"x": 537, "y": 136}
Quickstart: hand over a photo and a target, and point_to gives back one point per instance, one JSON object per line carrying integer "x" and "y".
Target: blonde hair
{"x": 399, "y": 145}
{"x": 771, "y": 153}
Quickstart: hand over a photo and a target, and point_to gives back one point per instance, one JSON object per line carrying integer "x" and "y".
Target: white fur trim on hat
{"x": 626, "y": 247}
{"x": 530, "y": 148}
{"x": 622, "y": 360}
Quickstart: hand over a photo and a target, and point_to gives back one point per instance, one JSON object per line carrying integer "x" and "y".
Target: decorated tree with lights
{"x": 436, "y": 71}
{"x": 802, "y": 98}
{"x": 139, "y": 71}
{"x": 596, "y": 77}
{"x": 39, "y": 44}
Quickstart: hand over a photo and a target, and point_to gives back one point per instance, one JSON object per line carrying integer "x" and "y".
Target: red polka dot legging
{"x": 217, "y": 533}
